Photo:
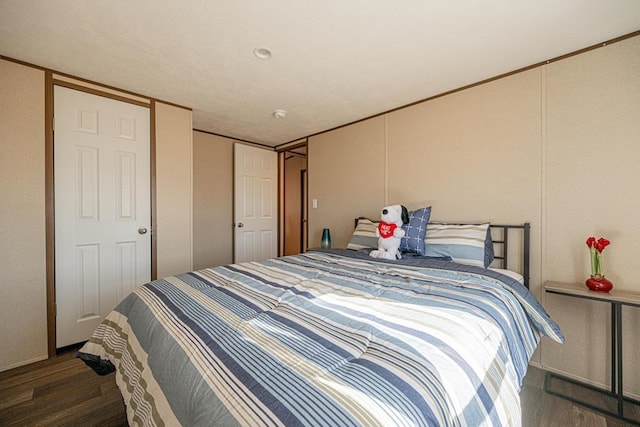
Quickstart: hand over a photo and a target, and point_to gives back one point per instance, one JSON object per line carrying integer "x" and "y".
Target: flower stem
{"x": 599, "y": 264}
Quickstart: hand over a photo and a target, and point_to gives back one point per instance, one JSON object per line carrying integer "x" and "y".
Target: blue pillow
{"x": 489, "y": 254}
{"x": 415, "y": 231}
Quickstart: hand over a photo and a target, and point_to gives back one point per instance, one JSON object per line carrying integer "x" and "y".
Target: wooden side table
{"x": 616, "y": 299}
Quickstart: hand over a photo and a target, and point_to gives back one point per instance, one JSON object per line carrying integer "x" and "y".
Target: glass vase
{"x": 325, "y": 243}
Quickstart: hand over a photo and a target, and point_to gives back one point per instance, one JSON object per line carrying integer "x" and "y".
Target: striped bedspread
{"x": 323, "y": 339}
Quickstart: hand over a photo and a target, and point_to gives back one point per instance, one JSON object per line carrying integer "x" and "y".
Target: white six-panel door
{"x": 256, "y": 203}
{"x": 102, "y": 208}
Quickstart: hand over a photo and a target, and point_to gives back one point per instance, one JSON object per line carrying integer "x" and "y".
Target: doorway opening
{"x": 294, "y": 200}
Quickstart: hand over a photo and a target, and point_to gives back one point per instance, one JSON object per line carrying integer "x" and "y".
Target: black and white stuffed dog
{"x": 390, "y": 232}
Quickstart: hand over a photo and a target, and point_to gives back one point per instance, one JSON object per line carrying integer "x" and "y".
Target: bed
{"x": 329, "y": 337}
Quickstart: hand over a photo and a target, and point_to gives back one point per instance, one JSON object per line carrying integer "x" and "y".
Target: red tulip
{"x": 595, "y": 249}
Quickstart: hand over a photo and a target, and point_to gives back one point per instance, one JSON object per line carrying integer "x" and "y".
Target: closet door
{"x": 256, "y": 203}
{"x": 102, "y": 208}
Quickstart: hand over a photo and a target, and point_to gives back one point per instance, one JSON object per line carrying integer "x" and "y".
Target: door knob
{"x": 142, "y": 230}
{"x": 240, "y": 225}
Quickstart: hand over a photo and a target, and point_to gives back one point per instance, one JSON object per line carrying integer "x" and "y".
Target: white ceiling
{"x": 333, "y": 62}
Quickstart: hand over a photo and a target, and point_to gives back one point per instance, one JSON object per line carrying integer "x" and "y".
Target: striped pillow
{"x": 364, "y": 236}
{"x": 464, "y": 243}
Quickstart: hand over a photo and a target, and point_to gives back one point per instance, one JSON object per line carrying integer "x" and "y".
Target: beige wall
{"x": 592, "y": 187}
{"x": 346, "y": 176}
{"x": 23, "y": 316}
{"x": 174, "y": 189}
{"x": 558, "y": 146}
{"x": 212, "y": 200}
{"x": 473, "y": 156}
{"x": 23, "y": 313}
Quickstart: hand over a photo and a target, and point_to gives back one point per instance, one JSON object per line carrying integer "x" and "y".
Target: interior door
{"x": 255, "y": 203}
{"x": 102, "y": 208}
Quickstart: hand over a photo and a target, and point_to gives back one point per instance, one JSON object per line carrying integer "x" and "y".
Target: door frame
{"x": 304, "y": 214}
{"x": 304, "y": 236}
{"x": 50, "y": 82}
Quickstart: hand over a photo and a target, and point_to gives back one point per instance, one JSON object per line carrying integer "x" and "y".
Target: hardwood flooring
{"x": 63, "y": 391}
{"x": 540, "y": 408}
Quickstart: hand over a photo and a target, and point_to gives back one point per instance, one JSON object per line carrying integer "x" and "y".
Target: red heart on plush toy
{"x": 386, "y": 229}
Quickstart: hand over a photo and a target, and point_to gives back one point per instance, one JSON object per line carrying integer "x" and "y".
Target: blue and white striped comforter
{"x": 322, "y": 339}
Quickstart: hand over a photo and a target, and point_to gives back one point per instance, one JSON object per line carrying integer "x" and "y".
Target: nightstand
{"x": 616, "y": 299}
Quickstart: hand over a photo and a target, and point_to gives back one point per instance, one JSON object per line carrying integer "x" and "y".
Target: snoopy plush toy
{"x": 390, "y": 232}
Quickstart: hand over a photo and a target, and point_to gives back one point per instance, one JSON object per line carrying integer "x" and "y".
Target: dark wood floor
{"x": 63, "y": 391}
{"x": 540, "y": 408}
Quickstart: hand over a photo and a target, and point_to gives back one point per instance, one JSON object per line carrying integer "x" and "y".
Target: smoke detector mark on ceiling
{"x": 279, "y": 114}
{"x": 262, "y": 53}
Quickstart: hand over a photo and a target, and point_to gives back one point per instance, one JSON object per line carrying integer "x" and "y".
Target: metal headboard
{"x": 504, "y": 244}
{"x": 526, "y": 243}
